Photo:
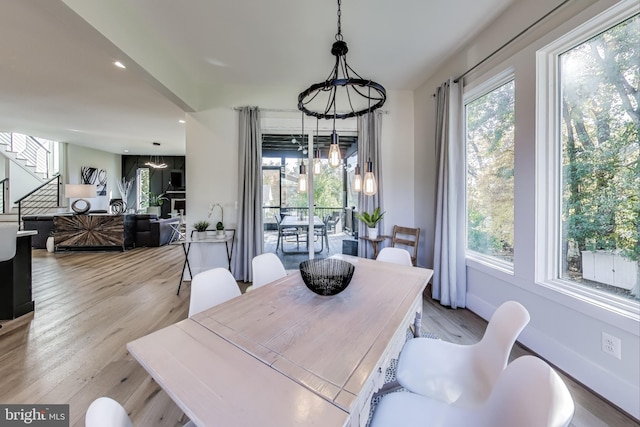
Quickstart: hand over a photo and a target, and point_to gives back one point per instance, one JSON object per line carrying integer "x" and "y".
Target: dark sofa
{"x": 43, "y": 224}
{"x": 153, "y": 231}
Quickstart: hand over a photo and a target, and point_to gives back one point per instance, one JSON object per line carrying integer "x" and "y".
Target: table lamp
{"x": 79, "y": 192}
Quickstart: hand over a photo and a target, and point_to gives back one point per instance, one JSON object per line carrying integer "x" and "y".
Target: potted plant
{"x": 371, "y": 220}
{"x": 220, "y": 230}
{"x": 201, "y": 229}
{"x": 155, "y": 202}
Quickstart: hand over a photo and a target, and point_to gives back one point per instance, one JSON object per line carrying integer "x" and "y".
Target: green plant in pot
{"x": 201, "y": 228}
{"x": 371, "y": 220}
{"x": 155, "y": 202}
{"x": 220, "y": 229}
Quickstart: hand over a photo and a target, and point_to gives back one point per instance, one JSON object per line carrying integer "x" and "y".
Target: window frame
{"x": 549, "y": 160}
{"x": 471, "y": 94}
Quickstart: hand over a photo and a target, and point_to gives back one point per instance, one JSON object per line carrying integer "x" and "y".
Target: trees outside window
{"x": 490, "y": 129}
{"x": 599, "y": 82}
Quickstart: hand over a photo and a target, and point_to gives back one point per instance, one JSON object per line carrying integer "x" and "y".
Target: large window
{"x": 490, "y": 128}
{"x": 594, "y": 127}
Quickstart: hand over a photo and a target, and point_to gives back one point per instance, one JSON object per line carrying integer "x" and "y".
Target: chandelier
{"x": 343, "y": 94}
{"x": 356, "y": 95}
{"x": 156, "y": 162}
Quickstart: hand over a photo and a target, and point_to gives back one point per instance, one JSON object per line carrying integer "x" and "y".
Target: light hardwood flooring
{"x": 90, "y": 304}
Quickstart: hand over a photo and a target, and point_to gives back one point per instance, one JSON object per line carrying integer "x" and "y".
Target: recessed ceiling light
{"x": 181, "y": 121}
{"x": 215, "y": 62}
{"x": 126, "y": 151}
{"x": 119, "y": 64}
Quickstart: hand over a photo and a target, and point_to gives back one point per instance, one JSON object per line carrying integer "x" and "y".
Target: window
{"x": 594, "y": 156}
{"x": 490, "y": 128}
{"x": 142, "y": 189}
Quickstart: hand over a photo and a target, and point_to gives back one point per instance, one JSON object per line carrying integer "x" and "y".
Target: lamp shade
{"x": 78, "y": 191}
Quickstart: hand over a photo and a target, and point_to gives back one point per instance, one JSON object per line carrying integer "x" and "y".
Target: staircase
{"x": 34, "y": 156}
{"x": 30, "y": 153}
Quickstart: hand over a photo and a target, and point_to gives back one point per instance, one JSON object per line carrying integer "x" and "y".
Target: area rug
{"x": 390, "y": 374}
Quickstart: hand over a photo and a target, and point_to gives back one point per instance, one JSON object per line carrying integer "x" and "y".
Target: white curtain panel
{"x": 449, "y": 276}
{"x": 250, "y": 224}
{"x": 369, "y": 148}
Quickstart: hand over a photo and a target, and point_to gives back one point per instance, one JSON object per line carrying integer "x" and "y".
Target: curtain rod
{"x": 281, "y": 110}
{"x": 511, "y": 41}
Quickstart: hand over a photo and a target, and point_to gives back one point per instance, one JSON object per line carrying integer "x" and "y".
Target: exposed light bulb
{"x": 317, "y": 166}
{"x": 357, "y": 180}
{"x": 334, "y": 151}
{"x": 302, "y": 179}
{"x": 370, "y": 184}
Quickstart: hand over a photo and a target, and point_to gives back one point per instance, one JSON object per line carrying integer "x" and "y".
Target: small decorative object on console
{"x": 326, "y": 276}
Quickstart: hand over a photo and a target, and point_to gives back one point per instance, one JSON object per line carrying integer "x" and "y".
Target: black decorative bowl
{"x": 326, "y": 276}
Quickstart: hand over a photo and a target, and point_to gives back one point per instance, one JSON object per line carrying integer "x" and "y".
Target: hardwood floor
{"x": 90, "y": 304}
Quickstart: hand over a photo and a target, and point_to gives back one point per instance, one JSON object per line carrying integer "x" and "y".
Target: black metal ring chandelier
{"x": 373, "y": 94}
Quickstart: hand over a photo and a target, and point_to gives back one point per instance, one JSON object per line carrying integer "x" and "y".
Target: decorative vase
{"x": 201, "y": 235}
{"x": 372, "y": 232}
{"x": 153, "y": 210}
{"x": 51, "y": 246}
{"x": 219, "y": 234}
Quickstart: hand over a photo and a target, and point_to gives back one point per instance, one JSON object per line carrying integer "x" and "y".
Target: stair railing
{"x": 3, "y": 195}
{"x": 41, "y": 200}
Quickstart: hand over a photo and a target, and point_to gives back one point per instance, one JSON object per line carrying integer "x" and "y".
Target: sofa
{"x": 43, "y": 224}
{"x": 152, "y": 231}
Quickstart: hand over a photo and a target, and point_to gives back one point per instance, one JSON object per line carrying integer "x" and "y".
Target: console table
{"x": 93, "y": 231}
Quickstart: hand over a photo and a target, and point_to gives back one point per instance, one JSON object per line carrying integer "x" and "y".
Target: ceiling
{"x": 58, "y": 81}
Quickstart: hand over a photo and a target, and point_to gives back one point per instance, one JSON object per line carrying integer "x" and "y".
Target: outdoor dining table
{"x": 292, "y": 221}
{"x": 282, "y": 355}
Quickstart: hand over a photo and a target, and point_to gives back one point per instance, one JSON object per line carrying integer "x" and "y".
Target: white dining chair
{"x": 462, "y": 374}
{"x": 8, "y": 240}
{"x": 528, "y": 393}
{"x": 266, "y": 268}
{"x": 212, "y": 287}
{"x": 106, "y": 412}
{"x": 395, "y": 255}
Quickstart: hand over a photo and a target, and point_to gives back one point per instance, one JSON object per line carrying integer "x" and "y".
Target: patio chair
{"x": 322, "y": 232}
{"x": 333, "y": 221}
{"x": 286, "y": 232}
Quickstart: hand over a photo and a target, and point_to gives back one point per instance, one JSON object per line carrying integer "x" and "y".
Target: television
{"x": 177, "y": 180}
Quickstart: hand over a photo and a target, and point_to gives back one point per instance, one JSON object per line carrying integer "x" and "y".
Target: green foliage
{"x": 201, "y": 225}
{"x": 601, "y": 142}
{"x": 490, "y": 172}
{"x": 370, "y": 219}
{"x": 157, "y": 199}
{"x": 219, "y": 226}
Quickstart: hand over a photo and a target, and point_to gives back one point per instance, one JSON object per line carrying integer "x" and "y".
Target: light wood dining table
{"x": 283, "y": 356}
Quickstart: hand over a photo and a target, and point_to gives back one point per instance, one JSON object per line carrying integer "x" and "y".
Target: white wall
{"x": 564, "y": 330}
{"x": 21, "y": 182}
{"x": 78, "y": 156}
{"x": 212, "y": 156}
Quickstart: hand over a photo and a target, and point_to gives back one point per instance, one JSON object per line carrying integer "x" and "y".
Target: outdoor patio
{"x": 292, "y": 261}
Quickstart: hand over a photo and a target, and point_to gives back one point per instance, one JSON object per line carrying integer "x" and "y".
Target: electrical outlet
{"x": 612, "y": 345}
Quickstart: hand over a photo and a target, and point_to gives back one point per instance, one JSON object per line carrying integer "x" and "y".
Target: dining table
{"x": 302, "y": 224}
{"x": 282, "y": 355}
